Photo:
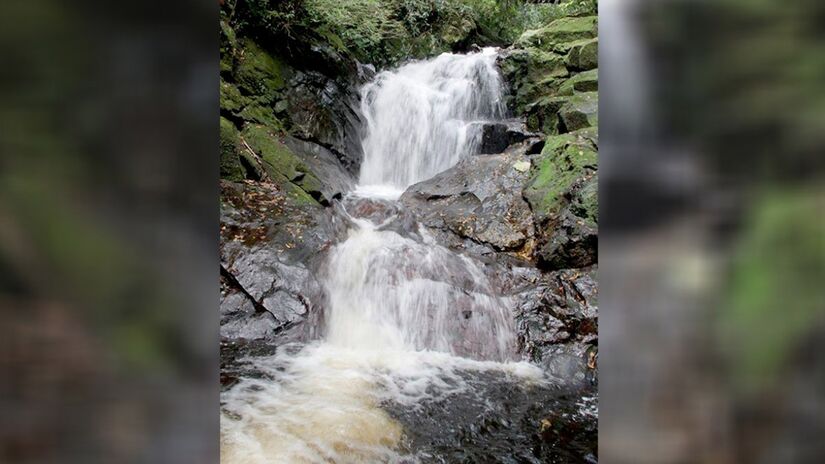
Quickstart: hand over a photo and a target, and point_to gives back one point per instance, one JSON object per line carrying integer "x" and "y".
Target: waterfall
{"x": 418, "y": 117}
{"x": 388, "y": 292}
{"x": 406, "y": 318}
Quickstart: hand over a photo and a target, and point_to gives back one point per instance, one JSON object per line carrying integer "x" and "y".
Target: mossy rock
{"x": 583, "y": 55}
{"x": 563, "y": 195}
{"x": 258, "y": 73}
{"x": 532, "y": 74}
{"x": 579, "y": 111}
{"x": 566, "y": 161}
{"x": 230, "y": 163}
{"x": 564, "y": 113}
{"x": 560, "y": 31}
{"x": 587, "y": 81}
{"x": 258, "y": 114}
{"x": 232, "y": 101}
{"x": 283, "y": 167}
{"x": 228, "y": 44}
{"x": 542, "y": 115}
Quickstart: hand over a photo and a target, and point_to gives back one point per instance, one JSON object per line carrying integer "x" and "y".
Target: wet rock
{"x": 271, "y": 246}
{"x": 498, "y": 136}
{"x": 499, "y": 420}
{"x": 563, "y": 196}
{"x": 479, "y": 199}
{"x": 325, "y": 165}
{"x": 325, "y": 110}
{"x": 557, "y": 322}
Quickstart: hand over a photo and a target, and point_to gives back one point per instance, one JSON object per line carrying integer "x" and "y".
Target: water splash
{"x": 418, "y": 116}
{"x": 388, "y": 292}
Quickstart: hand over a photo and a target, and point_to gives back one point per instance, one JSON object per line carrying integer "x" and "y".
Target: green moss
{"x": 230, "y": 163}
{"x": 258, "y": 114}
{"x": 587, "y": 81}
{"x": 567, "y": 162}
{"x": 283, "y": 167}
{"x": 258, "y": 73}
{"x": 275, "y": 154}
{"x": 231, "y": 99}
{"x": 560, "y": 31}
{"x": 583, "y": 55}
{"x": 579, "y": 111}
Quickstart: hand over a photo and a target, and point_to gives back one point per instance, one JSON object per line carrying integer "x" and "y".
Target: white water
{"x": 403, "y": 318}
{"x": 418, "y": 116}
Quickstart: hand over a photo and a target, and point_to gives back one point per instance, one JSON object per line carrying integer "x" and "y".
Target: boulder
{"x": 587, "y": 81}
{"x": 531, "y": 74}
{"x": 496, "y": 137}
{"x": 579, "y": 111}
{"x": 562, "y": 30}
{"x": 478, "y": 199}
{"x": 271, "y": 245}
{"x": 563, "y": 195}
{"x": 583, "y": 55}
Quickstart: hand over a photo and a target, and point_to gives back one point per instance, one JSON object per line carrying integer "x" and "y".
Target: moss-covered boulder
{"x": 259, "y": 73}
{"x": 581, "y": 110}
{"x": 531, "y": 74}
{"x": 583, "y": 55}
{"x": 583, "y": 82}
{"x": 563, "y": 195}
{"x": 560, "y": 31}
{"x": 280, "y": 165}
{"x": 230, "y": 163}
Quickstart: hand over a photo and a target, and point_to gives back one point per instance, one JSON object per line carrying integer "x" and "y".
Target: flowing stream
{"x": 412, "y": 329}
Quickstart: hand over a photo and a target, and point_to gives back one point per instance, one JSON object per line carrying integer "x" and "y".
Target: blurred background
{"x": 712, "y": 254}
{"x": 713, "y": 231}
{"x": 108, "y": 231}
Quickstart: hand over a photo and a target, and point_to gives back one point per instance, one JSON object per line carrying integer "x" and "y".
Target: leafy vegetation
{"x": 385, "y": 32}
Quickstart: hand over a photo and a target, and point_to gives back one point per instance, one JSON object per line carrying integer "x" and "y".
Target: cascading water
{"x": 418, "y": 118}
{"x": 405, "y": 317}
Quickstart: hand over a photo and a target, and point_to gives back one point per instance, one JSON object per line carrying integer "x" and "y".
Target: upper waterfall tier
{"x": 417, "y": 117}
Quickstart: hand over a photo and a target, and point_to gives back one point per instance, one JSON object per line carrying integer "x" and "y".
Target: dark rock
{"x": 325, "y": 110}
{"x": 334, "y": 179}
{"x": 271, "y": 246}
{"x": 557, "y": 322}
{"x": 479, "y": 199}
{"x": 498, "y": 136}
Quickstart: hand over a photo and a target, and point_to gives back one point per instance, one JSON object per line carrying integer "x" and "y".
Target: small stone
{"x": 522, "y": 166}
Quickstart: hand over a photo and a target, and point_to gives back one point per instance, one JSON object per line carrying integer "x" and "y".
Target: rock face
{"x": 542, "y": 69}
{"x": 478, "y": 199}
{"x": 271, "y": 244}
